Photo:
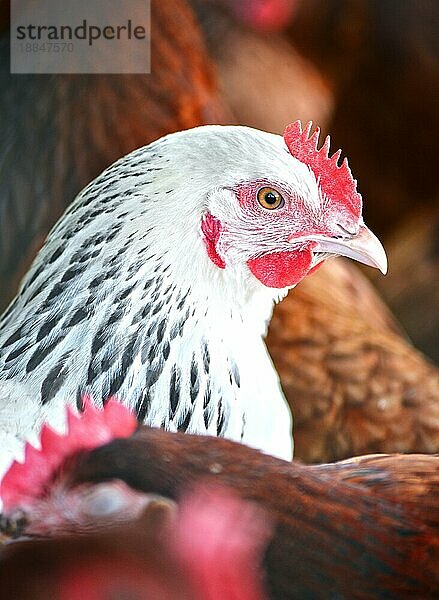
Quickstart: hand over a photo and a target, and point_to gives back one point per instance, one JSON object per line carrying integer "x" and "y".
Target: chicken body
{"x": 363, "y": 528}
{"x": 354, "y": 382}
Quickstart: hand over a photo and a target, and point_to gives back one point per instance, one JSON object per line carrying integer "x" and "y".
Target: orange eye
{"x": 270, "y": 198}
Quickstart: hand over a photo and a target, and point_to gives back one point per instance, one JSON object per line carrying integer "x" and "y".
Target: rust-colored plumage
{"x": 355, "y": 384}
{"x": 363, "y": 528}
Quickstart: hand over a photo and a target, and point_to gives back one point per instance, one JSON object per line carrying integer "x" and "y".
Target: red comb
{"x": 336, "y": 182}
{"x": 25, "y": 482}
{"x": 265, "y": 15}
{"x": 220, "y": 539}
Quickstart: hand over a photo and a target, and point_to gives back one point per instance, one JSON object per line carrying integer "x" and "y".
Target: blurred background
{"x": 365, "y": 71}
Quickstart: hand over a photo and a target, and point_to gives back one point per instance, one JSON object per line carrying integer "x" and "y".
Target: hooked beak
{"x": 363, "y": 247}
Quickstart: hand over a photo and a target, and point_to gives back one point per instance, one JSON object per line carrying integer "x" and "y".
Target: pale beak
{"x": 363, "y": 247}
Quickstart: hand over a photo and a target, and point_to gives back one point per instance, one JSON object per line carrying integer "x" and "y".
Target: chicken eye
{"x": 270, "y": 198}
{"x": 104, "y": 500}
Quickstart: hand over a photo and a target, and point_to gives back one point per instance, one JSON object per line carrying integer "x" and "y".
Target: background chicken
{"x": 182, "y": 92}
{"x": 354, "y": 382}
{"x": 367, "y": 527}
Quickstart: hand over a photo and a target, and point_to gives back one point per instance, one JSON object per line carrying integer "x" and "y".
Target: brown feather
{"x": 360, "y": 529}
{"x": 354, "y": 383}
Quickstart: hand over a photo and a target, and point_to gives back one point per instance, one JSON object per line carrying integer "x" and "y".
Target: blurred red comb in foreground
{"x": 24, "y": 482}
{"x": 220, "y": 540}
{"x": 264, "y": 15}
{"x": 336, "y": 182}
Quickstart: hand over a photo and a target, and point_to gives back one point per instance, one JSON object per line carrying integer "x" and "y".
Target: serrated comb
{"x": 27, "y": 481}
{"x": 336, "y": 182}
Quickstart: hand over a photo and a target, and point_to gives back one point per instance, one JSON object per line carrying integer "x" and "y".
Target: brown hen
{"x": 354, "y": 383}
{"x": 363, "y": 528}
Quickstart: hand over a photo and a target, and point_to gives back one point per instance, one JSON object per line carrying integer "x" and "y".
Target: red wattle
{"x": 281, "y": 269}
{"x": 211, "y": 228}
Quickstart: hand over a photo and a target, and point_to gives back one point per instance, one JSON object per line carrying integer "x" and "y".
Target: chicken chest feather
{"x": 147, "y": 288}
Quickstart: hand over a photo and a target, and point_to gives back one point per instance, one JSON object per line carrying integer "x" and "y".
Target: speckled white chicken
{"x": 157, "y": 284}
